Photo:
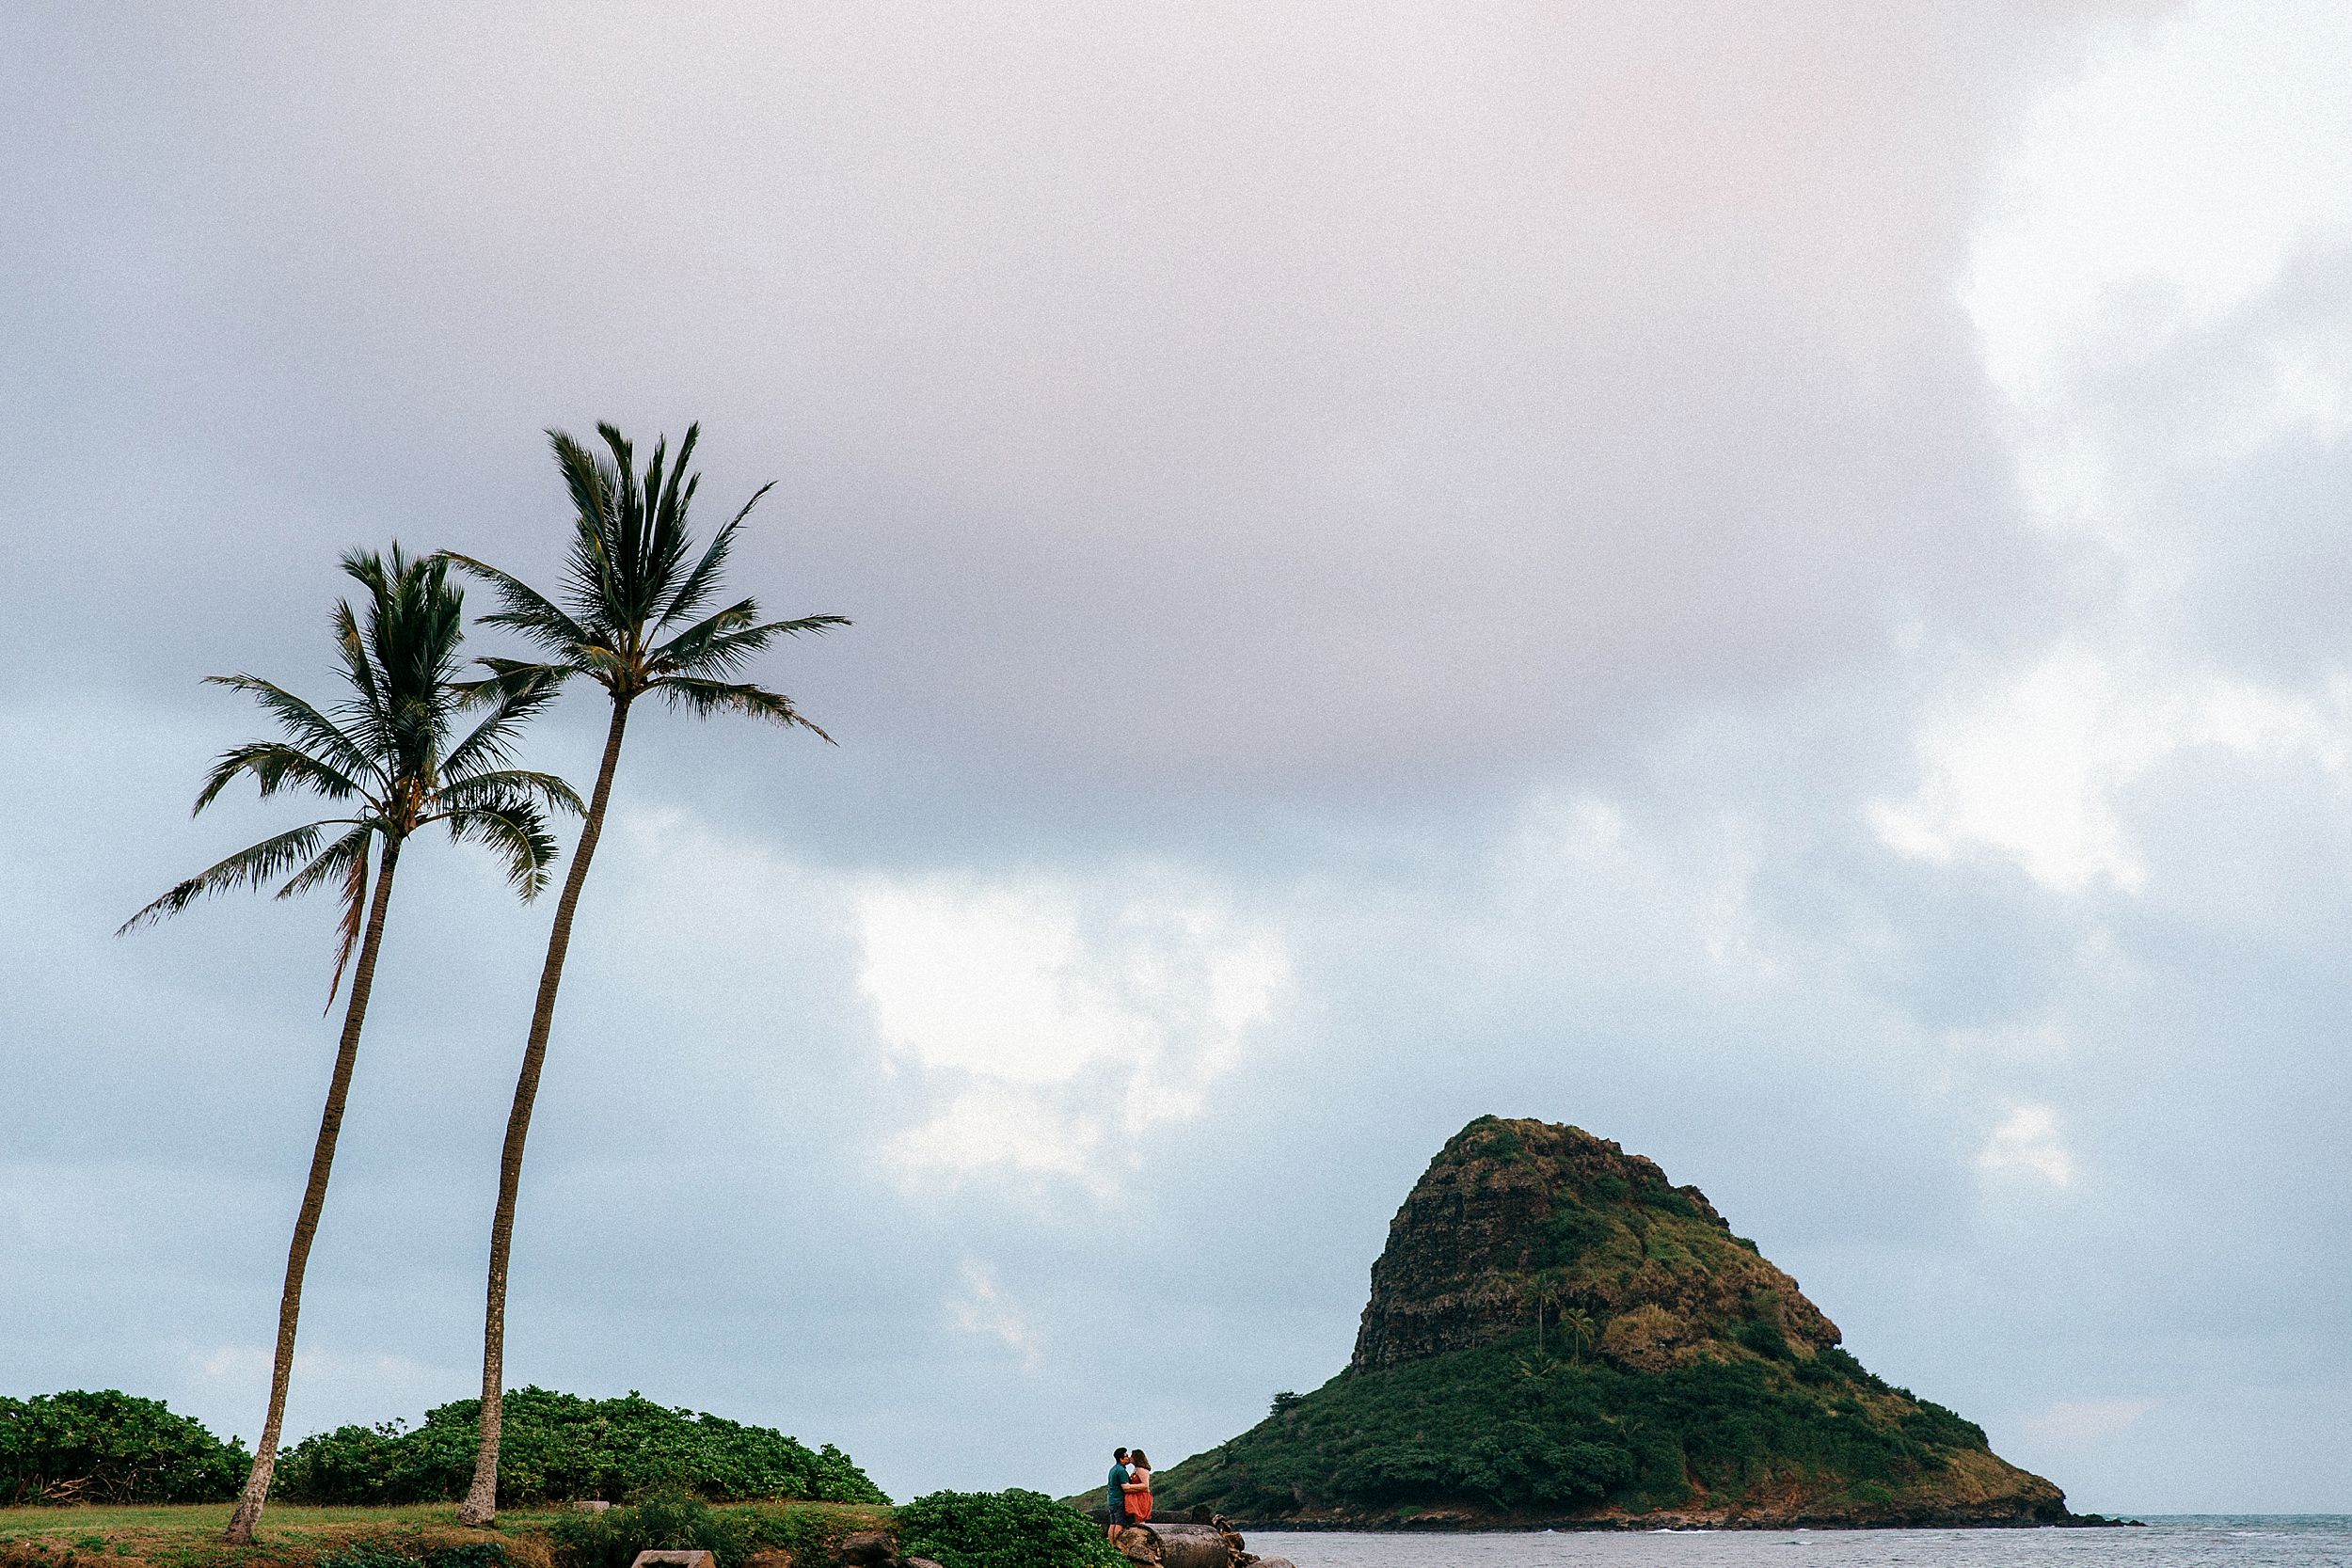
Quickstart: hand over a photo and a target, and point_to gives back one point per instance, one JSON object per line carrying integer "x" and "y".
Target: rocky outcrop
{"x": 1558, "y": 1334}
{"x": 1506, "y": 1201}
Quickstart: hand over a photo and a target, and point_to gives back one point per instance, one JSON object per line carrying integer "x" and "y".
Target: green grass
{"x": 294, "y": 1535}
{"x": 187, "y": 1535}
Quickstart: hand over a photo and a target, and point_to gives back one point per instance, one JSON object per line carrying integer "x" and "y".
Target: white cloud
{"x": 984, "y": 1311}
{"x": 2175, "y": 179}
{"x": 2027, "y": 1141}
{"x": 2028, "y": 772}
{"x": 2034, "y": 770}
{"x": 2086, "y": 1421}
{"x": 1056, "y": 1028}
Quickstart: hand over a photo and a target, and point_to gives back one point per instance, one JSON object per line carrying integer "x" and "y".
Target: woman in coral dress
{"x": 1138, "y": 1488}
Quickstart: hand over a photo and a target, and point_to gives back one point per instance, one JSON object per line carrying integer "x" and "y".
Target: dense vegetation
{"x": 1505, "y": 1428}
{"x": 109, "y": 1446}
{"x": 1556, "y": 1331}
{"x": 672, "y": 1522}
{"x": 560, "y": 1447}
{"x": 1002, "y": 1529}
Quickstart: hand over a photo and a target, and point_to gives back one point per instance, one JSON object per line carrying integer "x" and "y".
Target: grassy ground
{"x": 188, "y": 1536}
{"x": 292, "y": 1536}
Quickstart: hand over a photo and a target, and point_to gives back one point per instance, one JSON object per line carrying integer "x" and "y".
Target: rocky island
{"x": 1559, "y": 1336}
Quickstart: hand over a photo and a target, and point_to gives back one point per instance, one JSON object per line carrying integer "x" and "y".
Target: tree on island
{"x": 1581, "y": 1331}
{"x": 634, "y": 616}
{"x": 385, "y": 750}
{"x": 1548, "y": 1290}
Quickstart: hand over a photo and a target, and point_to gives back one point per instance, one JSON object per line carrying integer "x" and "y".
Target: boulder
{"x": 867, "y": 1548}
{"x": 773, "y": 1557}
{"x": 1171, "y": 1545}
{"x": 675, "y": 1560}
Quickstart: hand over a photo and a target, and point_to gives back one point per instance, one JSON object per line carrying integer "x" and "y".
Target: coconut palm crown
{"x": 636, "y": 615}
{"x": 387, "y": 753}
{"x": 632, "y": 615}
{"x": 386, "y": 756}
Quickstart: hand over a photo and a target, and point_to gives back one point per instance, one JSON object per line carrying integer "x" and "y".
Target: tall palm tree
{"x": 385, "y": 752}
{"x": 1581, "y": 1331}
{"x": 634, "y": 615}
{"x": 1548, "y": 1289}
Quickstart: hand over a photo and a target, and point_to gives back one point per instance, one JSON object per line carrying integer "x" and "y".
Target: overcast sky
{"x": 1769, "y": 583}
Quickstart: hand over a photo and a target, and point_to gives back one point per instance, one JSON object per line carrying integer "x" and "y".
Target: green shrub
{"x": 368, "y": 1553}
{"x": 1570, "y": 1232}
{"x": 467, "y": 1554}
{"x": 1672, "y": 1201}
{"x": 1481, "y": 1427}
{"x": 613, "y": 1538}
{"x": 811, "y": 1533}
{"x": 559, "y": 1447}
{"x": 1002, "y": 1529}
{"x": 108, "y": 1447}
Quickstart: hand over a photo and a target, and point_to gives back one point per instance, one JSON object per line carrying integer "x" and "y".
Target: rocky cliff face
{"x": 1513, "y": 1211}
{"x": 1558, "y": 1334}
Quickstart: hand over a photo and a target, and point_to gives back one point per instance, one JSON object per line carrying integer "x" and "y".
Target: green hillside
{"x": 1557, "y": 1333}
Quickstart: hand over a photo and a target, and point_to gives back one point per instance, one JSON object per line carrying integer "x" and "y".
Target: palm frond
{"x": 328, "y": 864}
{"x": 524, "y": 608}
{"x": 510, "y": 703}
{"x": 345, "y": 861}
{"x": 250, "y": 867}
{"x": 699, "y": 583}
{"x": 507, "y": 674}
{"x": 706, "y": 698}
{"x": 276, "y": 766}
{"x": 600, "y": 492}
{"x": 483, "y": 789}
{"x": 303, "y": 723}
{"x": 347, "y": 930}
{"x": 351, "y": 645}
{"x": 724, "y": 643}
{"x": 666, "y": 540}
{"x": 516, "y": 831}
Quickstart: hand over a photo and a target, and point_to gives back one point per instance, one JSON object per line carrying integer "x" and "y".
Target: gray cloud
{"x": 1492, "y": 501}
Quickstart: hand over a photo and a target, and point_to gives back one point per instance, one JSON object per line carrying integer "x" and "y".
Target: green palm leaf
{"x": 515, "y": 829}
{"x": 250, "y": 867}
{"x": 705, "y": 699}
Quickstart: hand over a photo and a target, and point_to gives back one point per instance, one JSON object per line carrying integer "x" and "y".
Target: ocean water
{"x": 2206, "y": 1541}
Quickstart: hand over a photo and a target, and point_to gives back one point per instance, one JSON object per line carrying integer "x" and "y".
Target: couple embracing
{"x": 1129, "y": 1492}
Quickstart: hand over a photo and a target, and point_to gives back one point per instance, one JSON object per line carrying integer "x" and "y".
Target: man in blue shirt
{"x": 1117, "y": 1494}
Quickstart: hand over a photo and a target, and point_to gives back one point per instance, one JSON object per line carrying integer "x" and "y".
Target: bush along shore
{"x": 107, "y": 1479}
{"x": 109, "y": 1446}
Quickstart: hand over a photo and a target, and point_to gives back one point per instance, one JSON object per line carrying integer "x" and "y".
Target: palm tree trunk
{"x": 248, "y": 1513}
{"x": 481, "y": 1504}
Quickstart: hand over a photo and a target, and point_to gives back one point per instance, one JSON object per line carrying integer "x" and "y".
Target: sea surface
{"x": 2207, "y": 1540}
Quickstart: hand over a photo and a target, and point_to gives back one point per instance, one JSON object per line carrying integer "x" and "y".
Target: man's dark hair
{"x": 1118, "y": 1454}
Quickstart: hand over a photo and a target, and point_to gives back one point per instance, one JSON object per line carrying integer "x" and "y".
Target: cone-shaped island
{"x": 1557, "y": 1335}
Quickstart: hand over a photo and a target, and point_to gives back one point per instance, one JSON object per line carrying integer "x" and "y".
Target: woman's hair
{"x": 1135, "y": 1456}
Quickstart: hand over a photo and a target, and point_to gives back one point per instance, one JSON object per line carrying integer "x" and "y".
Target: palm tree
{"x": 634, "y": 616}
{"x": 1581, "y": 1331}
{"x": 1547, "y": 1289}
{"x": 385, "y": 754}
